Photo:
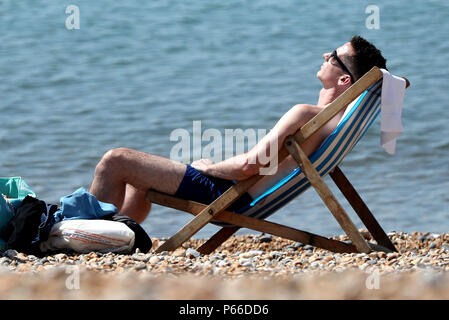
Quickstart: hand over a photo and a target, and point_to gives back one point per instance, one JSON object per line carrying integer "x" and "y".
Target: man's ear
{"x": 344, "y": 80}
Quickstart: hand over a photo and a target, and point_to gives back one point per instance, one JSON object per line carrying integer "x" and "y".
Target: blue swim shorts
{"x": 204, "y": 189}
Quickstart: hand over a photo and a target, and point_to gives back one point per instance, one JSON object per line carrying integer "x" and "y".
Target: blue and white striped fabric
{"x": 359, "y": 116}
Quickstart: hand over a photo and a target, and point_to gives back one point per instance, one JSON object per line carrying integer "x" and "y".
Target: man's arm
{"x": 248, "y": 164}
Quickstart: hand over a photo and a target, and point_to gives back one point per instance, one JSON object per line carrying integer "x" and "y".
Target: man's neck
{"x": 327, "y": 95}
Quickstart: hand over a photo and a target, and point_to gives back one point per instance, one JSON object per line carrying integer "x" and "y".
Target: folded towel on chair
{"x": 393, "y": 91}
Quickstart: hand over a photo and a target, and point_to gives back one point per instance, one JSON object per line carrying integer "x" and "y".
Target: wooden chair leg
{"x": 217, "y": 239}
{"x": 326, "y": 195}
{"x": 361, "y": 209}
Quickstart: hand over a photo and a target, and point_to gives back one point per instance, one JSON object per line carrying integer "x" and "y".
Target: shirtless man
{"x": 123, "y": 176}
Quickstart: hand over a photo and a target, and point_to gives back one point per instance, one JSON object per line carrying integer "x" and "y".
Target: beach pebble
{"x": 154, "y": 260}
{"x": 423, "y": 237}
{"x": 140, "y": 266}
{"x": 381, "y": 255}
{"x": 246, "y": 263}
{"x": 222, "y": 263}
{"x": 308, "y": 253}
{"x": 392, "y": 255}
{"x": 373, "y": 255}
{"x": 251, "y": 253}
{"x": 140, "y": 257}
{"x": 60, "y": 256}
{"x": 180, "y": 252}
{"x": 346, "y": 259}
{"x": 215, "y": 257}
{"x": 10, "y": 253}
{"x": 192, "y": 253}
{"x": 109, "y": 263}
{"x": 266, "y": 238}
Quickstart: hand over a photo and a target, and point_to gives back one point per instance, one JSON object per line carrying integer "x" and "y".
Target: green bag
{"x": 13, "y": 190}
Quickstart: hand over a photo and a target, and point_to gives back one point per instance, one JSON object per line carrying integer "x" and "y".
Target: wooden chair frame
{"x": 217, "y": 209}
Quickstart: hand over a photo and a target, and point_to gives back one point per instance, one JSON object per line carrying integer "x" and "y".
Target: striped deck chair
{"x": 363, "y": 104}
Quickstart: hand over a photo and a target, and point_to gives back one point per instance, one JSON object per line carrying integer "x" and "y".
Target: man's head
{"x": 349, "y": 62}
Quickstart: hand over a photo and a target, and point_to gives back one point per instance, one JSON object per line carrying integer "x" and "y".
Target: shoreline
{"x": 245, "y": 267}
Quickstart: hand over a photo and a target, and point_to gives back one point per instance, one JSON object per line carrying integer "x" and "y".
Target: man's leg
{"x": 135, "y": 204}
{"x": 121, "y": 167}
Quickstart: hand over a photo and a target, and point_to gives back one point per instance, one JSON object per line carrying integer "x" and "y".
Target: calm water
{"x": 136, "y": 71}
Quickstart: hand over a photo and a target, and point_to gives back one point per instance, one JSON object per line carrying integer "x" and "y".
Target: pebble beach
{"x": 245, "y": 267}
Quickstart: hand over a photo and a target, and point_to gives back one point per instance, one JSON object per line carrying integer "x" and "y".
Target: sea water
{"x": 130, "y": 73}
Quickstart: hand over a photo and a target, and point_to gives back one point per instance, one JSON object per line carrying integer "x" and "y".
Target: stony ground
{"x": 245, "y": 267}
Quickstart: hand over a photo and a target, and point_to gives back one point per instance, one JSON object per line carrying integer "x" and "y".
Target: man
{"x": 123, "y": 176}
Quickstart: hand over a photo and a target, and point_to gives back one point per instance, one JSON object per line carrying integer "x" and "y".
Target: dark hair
{"x": 366, "y": 56}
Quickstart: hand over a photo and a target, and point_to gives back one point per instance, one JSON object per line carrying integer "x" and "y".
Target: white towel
{"x": 393, "y": 91}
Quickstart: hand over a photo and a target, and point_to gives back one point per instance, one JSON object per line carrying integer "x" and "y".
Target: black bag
{"x": 142, "y": 240}
{"x": 23, "y": 228}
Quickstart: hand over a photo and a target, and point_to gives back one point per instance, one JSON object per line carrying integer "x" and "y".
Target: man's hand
{"x": 202, "y": 165}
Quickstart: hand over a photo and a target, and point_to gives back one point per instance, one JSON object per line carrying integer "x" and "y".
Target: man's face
{"x": 331, "y": 71}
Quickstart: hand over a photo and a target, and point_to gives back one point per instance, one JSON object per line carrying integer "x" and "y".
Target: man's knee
{"x": 112, "y": 160}
{"x": 117, "y": 155}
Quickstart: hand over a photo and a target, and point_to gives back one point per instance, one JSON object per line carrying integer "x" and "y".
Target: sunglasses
{"x": 341, "y": 64}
